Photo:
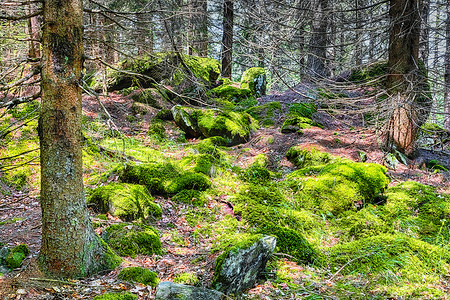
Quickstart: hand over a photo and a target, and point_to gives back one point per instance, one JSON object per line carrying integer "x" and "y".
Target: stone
{"x": 4, "y": 251}
{"x": 390, "y": 161}
{"x": 185, "y": 122}
{"x": 255, "y": 80}
{"x": 172, "y": 291}
{"x": 239, "y": 268}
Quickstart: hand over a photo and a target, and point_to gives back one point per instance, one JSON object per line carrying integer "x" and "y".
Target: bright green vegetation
{"x": 304, "y": 109}
{"x": 126, "y": 201}
{"x": 229, "y": 91}
{"x": 299, "y": 118}
{"x": 254, "y": 79}
{"x": 116, "y": 296}
{"x": 186, "y": 278}
{"x": 16, "y": 256}
{"x": 372, "y": 73}
{"x": 132, "y": 239}
{"x": 138, "y": 274}
{"x": 303, "y": 157}
{"x": 147, "y": 96}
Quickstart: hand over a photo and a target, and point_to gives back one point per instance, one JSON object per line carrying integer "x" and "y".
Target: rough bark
{"x": 318, "y": 45}
{"x": 227, "y": 38}
{"x": 70, "y": 247}
{"x": 447, "y": 71}
{"x": 403, "y": 79}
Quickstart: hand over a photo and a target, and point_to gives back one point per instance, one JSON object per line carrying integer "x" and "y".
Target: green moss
{"x": 127, "y": 91}
{"x": 369, "y": 72}
{"x": 228, "y": 92}
{"x": 330, "y": 94}
{"x": 16, "y": 256}
{"x": 164, "y": 115}
{"x": 303, "y": 157}
{"x": 193, "y": 197}
{"x": 212, "y": 146}
{"x": 138, "y": 274}
{"x": 116, "y": 296}
{"x": 131, "y": 239}
{"x": 147, "y": 96}
{"x": 199, "y": 163}
{"x": 265, "y": 113}
{"x": 436, "y": 165}
{"x": 256, "y": 174}
{"x": 112, "y": 260}
{"x": 157, "y": 130}
{"x": 255, "y": 80}
{"x": 188, "y": 181}
{"x": 296, "y": 124}
{"x": 387, "y": 252}
{"x": 205, "y": 68}
{"x": 126, "y": 201}
{"x": 304, "y": 109}
{"x": 186, "y": 278}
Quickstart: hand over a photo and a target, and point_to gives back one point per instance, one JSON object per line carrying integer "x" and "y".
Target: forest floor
{"x": 20, "y": 210}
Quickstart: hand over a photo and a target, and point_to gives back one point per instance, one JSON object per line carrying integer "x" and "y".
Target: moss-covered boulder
{"x": 230, "y": 91}
{"x": 255, "y": 80}
{"x": 16, "y": 256}
{"x": 304, "y": 156}
{"x": 389, "y": 252}
{"x": 116, "y": 296}
{"x": 126, "y": 201}
{"x": 158, "y": 67}
{"x": 238, "y": 268}
{"x": 266, "y": 114}
{"x": 138, "y": 274}
{"x": 189, "y": 278}
{"x": 235, "y": 127}
{"x": 297, "y": 124}
{"x": 199, "y": 163}
{"x": 132, "y": 239}
{"x": 213, "y": 146}
{"x": 147, "y": 96}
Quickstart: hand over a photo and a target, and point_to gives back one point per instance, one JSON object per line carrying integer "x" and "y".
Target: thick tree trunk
{"x": 70, "y": 247}
{"x": 447, "y": 71}
{"x": 317, "y": 66}
{"x": 403, "y": 79}
{"x": 227, "y": 38}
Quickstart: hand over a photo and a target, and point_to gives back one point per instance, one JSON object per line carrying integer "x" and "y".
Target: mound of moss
{"x": 372, "y": 72}
{"x": 419, "y": 211}
{"x": 138, "y": 274}
{"x": 296, "y": 124}
{"x": 132, "y": 239}
{"x": 199, "y": 163}
{"x": 193, "y": 197}
{"x": 186, "y": 278}
{"x": 254, "y": 79}
{"x": 303, "y": 109}
{"x": 256, "y": 174}
{"x": 212, "y": 146}
{"x": 234, "y": 127}
{"x": 16, "y": 256}
{"x": 339, "y": 186}
{"x": 126, "y": 201}
{"x": 389, "y": 252}
{"x": 147, "y": 96}
{"x": 116, "y": 296}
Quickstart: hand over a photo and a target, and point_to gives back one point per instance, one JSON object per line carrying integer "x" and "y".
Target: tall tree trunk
{"x": 424, "y": 44}
{"x": 358, "y": 30}
{"x": 403, "y": 78}
{"x": 447, "y": 70}
{"x": 227, "y": 38}
{"x": 70, "y": 247}
{"x": 317, "y": 65}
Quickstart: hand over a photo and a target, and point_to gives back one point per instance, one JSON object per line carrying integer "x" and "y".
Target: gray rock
{"x": 171, "y": 291}
{"x": 3, "y": 255}
{"x": 185, "y": 122}
{"x": 239, "y": 268}
{"x": 390, "y": 161}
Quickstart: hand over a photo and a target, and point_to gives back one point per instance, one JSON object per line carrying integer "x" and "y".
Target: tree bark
{"x": 403, "y": 79}
{"x": 227, "y": 38}
{"x": 70, "y": 246}
{"x": 447, "y": 70}
{"x": 317, "y": 66}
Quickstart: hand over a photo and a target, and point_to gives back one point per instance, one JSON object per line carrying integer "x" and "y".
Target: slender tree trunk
{"x": 402, "y": 81}
{"x": 358, "y": 31}
{"x": 447, "y": 70}
{"x": 70, "y": 247}
{"x": 227, "y": 38}
{"x": 424, "y": 45}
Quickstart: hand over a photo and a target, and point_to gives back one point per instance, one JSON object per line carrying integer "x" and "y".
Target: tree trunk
{"x": 70, "y": 246}
{"x": 447, "y": 70}
{"x": 317, "y": 66}
{"x": 403, "y": 78}
{"x": 227, "y": 38}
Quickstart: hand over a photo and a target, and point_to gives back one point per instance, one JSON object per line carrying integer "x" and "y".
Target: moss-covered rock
{"x": 138, "y": 274}
{"x": 164, "y": 115}
{"x": 303, "y": 109}
{"x": 265, "y": 113}
{"x": 388, "y": 252}
{"x": 255, "y": 80}
{"x": 296, "y": 124}
{"x": 199, "y": 163}
{"x": 212, "y": 146}
{"x": 116, "y": 296}
{"x": 157, "y": 130}
{"x": 16, "y": 256}
{"x": 186, "y": 278}
{"x": 235, "y": 127}
{"x": 256, "y": 174}
{"x": 303, "y": 157}
{"x": 373, "y": 72}
{"x": 229, "y": 91}
{"x": 238, "y": 268}
{"x": 193, "y": 197}
{"x": 147, "y": 96}
{"x": 132, "y": 239}
{"x": 126, "y": 201}
{"x": 188, "y": 181}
